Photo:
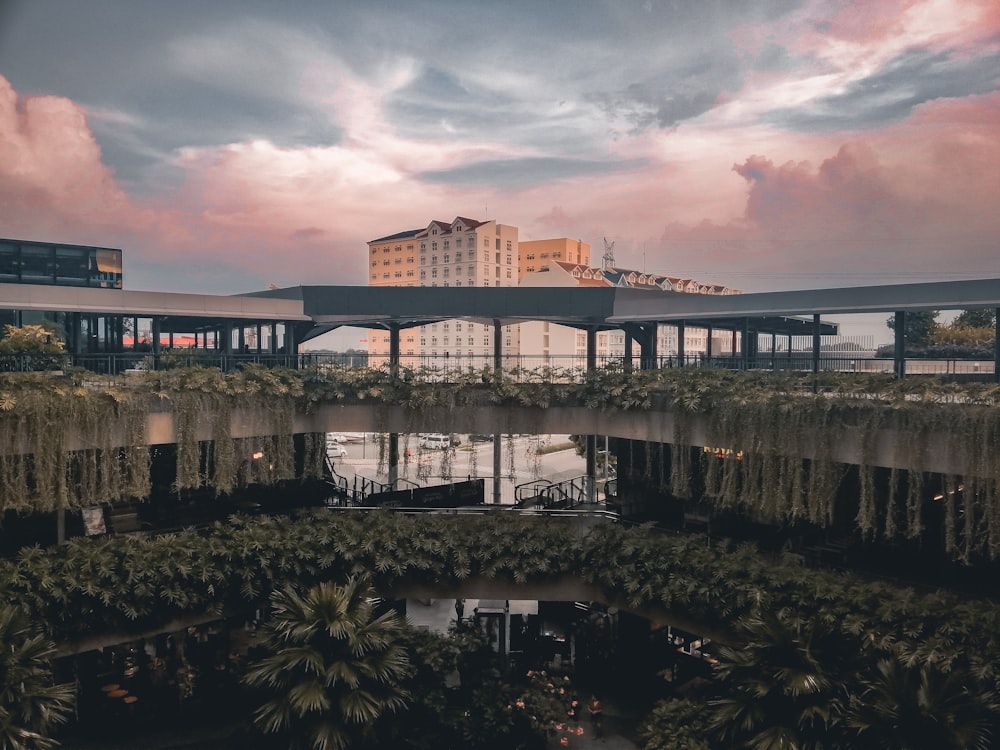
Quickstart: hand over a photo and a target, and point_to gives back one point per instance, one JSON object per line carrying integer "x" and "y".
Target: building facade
{"x": 534, "y": 255}
{"x": 463, "y": 252}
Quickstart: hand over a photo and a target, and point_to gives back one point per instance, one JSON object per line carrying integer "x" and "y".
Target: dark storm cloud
{"x": 508, "y": 172}
{"x": 892, "y": 93}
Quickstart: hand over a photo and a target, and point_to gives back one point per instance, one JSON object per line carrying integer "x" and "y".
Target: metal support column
{"x": 709, "y": 332}
{"x": 816, "y": 344}
{"x": 815, "y": 352}
{"x": 76, "y": 322}
{"x": 681, "y": 348}
{"x": 899, "y": 349}
{"x": 156, "y": 332}
{"x": 627, "y": 364}
{"x": 497, "y": 437}
{"x": 745, "y": 345}
{"x": 591, "y": 451}
{"x": 645, "y": 335}
{"x": 393, "y": 436}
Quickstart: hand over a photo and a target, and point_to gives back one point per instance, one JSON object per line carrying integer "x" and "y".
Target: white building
{"x": 463, "y": 252}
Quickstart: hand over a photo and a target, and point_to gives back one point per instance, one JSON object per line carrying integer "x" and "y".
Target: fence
{"x": 565, "y": 368}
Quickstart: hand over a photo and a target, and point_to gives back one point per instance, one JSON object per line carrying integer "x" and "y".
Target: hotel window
{"x": 434, "y": 273}
{"x": 472, "y": 341}
{"x": 385, "y": 249}
{"x": 508, "y": 260}
{"x": 458, "y": 257}
{"x": 545, "y": 255}
{"x": 446, "y": 270}
{"x": 410, "y": 246}
{"x": 557, "y": 254}
{"x": 409, "y": 259}
{"x": 385, "y": 262}
{"x": 374, "y": 250}
{"x": 529, "y": 256}
{"x": 472, "y": 254}
{"x": 447, "y": 244}
{"x": 374, "y": 263}
{"x": 409, "y": 273}
{"x": 458, "y": 326}
{"x": 434, "y": 247}
{"x": 498, "y": 243}
{"x": 434, "y": 231}
{"x": 486, "y": 241}
{"x": 399, "y": 261}
{"x": 508, "y": 273}
{"x": 423, "y": 260}
{"x": 458, "y": 242}
{"x": 398, "y": 274}
{"x": 458, "y": 283}
{"x": 434, "y": 260}
{"x": 508, "y": 246}
{"x": 385, "y": 275}
{"x": 423, "y": 245}
{"x": 447, "y": 258}
{"x": 423, "y": 274}
{"x": 472, "y": 282}
{"x": 398, "y": 248}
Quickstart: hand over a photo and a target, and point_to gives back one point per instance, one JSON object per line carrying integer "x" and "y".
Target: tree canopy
{"x": 918, "y": 327}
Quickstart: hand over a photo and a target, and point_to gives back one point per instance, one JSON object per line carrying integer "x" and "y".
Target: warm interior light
{"x": 258, "y": 455}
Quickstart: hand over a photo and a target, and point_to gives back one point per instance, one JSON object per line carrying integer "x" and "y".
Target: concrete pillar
{"x": 681, "y": 349}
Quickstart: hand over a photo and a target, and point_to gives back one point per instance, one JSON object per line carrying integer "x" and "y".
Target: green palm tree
{"x": 31, "y": 705}
{"x": 905, "y": 707}
{"x": 785, "y": 687}
{"x": 334, "y": 669}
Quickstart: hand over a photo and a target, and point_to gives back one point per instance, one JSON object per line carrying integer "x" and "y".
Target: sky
{"x": 760, "y": 144}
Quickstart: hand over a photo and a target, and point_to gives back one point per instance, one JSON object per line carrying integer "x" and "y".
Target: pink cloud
{"x": 53, "y": 183}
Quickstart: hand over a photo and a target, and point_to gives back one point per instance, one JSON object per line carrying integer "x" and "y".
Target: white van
{"x": 435, "y": 441}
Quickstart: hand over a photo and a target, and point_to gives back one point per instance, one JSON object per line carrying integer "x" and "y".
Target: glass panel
{"x": 9, "y": 270}
{"x": 108, "y": 272}
{"x": 71, "y": 266}
{"x": 37, "y": 264}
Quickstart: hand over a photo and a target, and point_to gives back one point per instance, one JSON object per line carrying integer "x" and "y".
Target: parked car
{"x": 435, "y": 442}
{"x": 336, "y": 450}
{"x": 456, "y": 440}
{"x": 481, "y": 438}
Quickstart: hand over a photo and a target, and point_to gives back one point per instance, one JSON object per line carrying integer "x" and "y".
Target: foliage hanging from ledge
{"x": 786, "y": 429}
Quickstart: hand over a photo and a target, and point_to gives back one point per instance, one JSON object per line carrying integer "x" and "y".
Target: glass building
{"x": 25, "y": 262}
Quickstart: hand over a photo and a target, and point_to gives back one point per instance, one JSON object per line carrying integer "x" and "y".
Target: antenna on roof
{"x": 609, "y": 255}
